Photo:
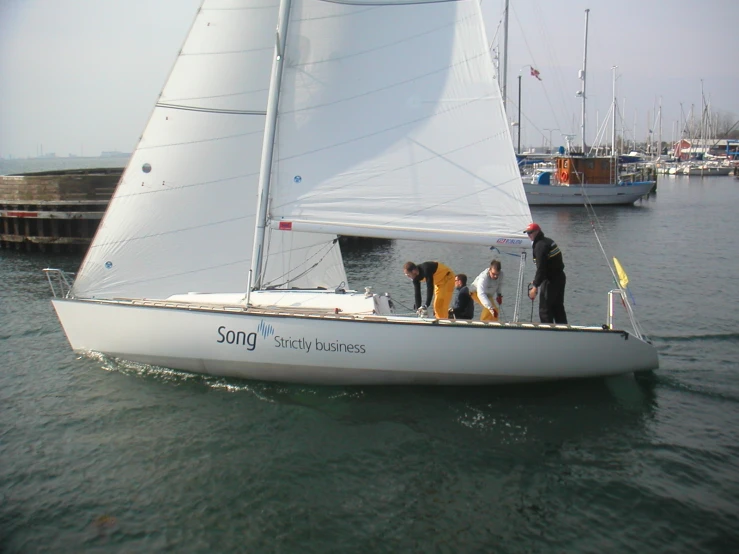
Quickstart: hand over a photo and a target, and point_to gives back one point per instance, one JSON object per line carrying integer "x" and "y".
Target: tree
{"x": 725, "y": 124}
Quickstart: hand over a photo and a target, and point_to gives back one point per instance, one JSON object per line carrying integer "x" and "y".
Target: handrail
{"x": 612, "y": 295}
{"x": 61, "y": 279}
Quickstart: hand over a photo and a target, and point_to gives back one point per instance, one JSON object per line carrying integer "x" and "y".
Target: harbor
{"x": 198, "y": 358}
{"x": 237, "y": 465}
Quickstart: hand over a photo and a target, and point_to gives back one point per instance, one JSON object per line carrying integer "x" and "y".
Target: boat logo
{"x": 509, "y": 241}
{"x": 265, "y": 329}
{"x": 108, "y": 265}
{"x": 297, "y": 178}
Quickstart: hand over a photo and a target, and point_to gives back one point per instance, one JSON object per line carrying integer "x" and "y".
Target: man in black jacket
{"x": 550, "y": 279}
{"x": 464, "y": 306}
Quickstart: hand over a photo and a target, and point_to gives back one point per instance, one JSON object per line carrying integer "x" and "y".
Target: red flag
{"x": 535, "y": 72}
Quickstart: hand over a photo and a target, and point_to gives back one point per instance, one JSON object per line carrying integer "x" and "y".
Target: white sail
{"x": 182, "y": 217}
{"x": 390, "y": 124}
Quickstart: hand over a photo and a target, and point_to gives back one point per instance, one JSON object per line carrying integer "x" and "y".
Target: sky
{"x": 82, "y": 76}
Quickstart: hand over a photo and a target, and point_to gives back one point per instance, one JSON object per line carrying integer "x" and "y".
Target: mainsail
{"x": 182, "y": 217}
{"x": 390, "y": 124}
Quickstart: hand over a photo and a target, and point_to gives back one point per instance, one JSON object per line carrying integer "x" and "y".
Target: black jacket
{"x": 464, "y": 306}
{"x": 426, "y": 271}
{"x": 548, "y": 259}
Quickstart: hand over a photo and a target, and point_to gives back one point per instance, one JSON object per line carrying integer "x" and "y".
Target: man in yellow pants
{"x": 487, "y": 290}
{"x": 439, "y": 285}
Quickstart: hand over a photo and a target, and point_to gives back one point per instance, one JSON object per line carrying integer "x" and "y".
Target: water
{"x": 99, "y": 456}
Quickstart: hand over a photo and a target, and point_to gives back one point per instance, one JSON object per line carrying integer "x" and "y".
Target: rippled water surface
{"x": 100, "y": 456}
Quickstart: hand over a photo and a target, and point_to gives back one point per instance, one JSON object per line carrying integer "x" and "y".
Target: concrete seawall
{"x": 54, "y": 211}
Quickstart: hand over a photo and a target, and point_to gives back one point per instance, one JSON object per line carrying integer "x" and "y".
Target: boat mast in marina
{"x": 580, "y": 178}
{"x": 583, "y": 78}
{"x": 614, "y": 106}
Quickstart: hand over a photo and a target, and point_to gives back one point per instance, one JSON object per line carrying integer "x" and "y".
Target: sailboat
{"x": 579, "y": 179}
{"x": 218, "y": 251}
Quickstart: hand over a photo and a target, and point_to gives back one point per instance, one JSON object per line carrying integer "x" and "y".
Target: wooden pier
{"x": 54, "y": 211}
{"x": 59, "y": 211}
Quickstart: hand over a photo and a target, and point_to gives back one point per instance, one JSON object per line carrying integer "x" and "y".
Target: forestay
{"x": 182, "y": 217}
{"x": 391, "y": 124}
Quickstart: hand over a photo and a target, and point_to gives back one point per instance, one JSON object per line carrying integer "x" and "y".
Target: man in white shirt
{"x": 487, "y": 290}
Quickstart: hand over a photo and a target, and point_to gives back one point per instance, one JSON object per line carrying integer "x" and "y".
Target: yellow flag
{"x": 623, "y": 279}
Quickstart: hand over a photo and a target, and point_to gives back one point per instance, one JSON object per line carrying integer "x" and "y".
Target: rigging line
{"x": 542, "y": 84}
{"x": 381, "y": 3}
{"x": 492, "y": 40}
{"x": 529, "y": 120}
{"x": 435, "y": 156}
{"x": 540, "y": 17}
{"x": 176, "y": 188}
{"x": 128, "y": 240}
{"x": 209, "y": 110}
{"x": 286, "y": 274}
{"x": 226, "y": 95}
{"x": 271, "y": 284}
{"x": 259, "y": 131}
{"x": 405, "y": 39}
{"x": 168, "y": 276}
{"x": 227, "y": 52}
{"x": 600, "y": 134}
{"x": 627, "y": 305}
{"x": 407, "y": 123}
{"x": 463, "y": 63}
{"x": 398, "y": 303}
{"x": 237, "y": 9}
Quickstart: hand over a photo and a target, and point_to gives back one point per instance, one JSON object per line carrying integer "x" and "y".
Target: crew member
{"x": 550, "y": 279}
{"x": 464, "y": 306}
{"x": 439, "y": 286}
{"x": 487, "y": 290}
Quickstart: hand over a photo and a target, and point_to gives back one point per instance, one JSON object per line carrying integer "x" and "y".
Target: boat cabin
{"x": 586, "y": 170}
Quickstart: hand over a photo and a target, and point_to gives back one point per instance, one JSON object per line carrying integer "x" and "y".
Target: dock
{"x": 59, "y": 211}
{"x": 54, "y": 211}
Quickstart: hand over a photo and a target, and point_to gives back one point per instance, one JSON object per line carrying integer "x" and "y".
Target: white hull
{"x": 708, "y": 171}
{"x": 575, "y": 195}
{"x": 335, "y": 349}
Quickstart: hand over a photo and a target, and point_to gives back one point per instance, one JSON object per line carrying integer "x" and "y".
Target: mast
{"x": 704, "y": 123}
{"x": 634, "y": 135}
{"x": 659, "y": 135}
{"x": 582, "y": 78}
{"x": 518, "y": 150}
{"x": 504, "y": 82}
{"x": 265, "y": 168}
{"x": 623, "y": 128}
{"x": 614, "y": 164}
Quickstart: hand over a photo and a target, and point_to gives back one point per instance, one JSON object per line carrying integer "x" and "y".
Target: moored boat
{"x": 578, "y": 180}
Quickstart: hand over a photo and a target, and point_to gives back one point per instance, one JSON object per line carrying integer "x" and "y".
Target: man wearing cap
{"x": 550, "y": 280}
